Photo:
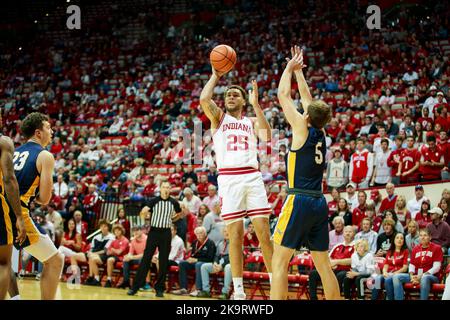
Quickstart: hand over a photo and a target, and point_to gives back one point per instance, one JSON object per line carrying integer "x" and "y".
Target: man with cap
{"x": 415, "y": 203}
{"x": 352, "y": 197}
{"x": 431, "y": 101}
{"x": 337, "y": 171}
{"x": 439, "y": 230}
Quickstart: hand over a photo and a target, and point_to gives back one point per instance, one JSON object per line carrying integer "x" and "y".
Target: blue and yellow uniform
{"x": 28, "y": 177}
{"x": 8, "y": 231}
{"x": 304, "y": 218}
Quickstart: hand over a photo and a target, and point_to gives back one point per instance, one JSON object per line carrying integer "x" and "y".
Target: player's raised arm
{"x": 303, "y": 88}
{"x": 11, "y": 185}
{"x": 210, "y": 108}
{"x": 262, "y": 126}
{"x": 45, "y": 164}
{"x": 295, "y": 118}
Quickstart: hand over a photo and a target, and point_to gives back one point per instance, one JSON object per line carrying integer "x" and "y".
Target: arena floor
{"x": 30, "y": 290}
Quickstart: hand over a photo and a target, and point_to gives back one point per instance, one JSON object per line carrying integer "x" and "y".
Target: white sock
{"x": 238, "y": 285}
{"x": 109, "y": 278}
{"x": 270, "y": 277}
{"x": 16, "y": 297}
{"x": 97, "y": 278}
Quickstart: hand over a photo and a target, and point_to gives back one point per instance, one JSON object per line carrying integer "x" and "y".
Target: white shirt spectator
{"x": 414, "y": 206}
{"x": 409, "y": 77}
{"x": 61, "y": 189}
{"x": 85, "y": 155}
{"x": 176, "y": 249}
{"x": 211, "y": 201}
{"x": 56, "y": 219}
{"x": 115, "y": 127}
{"x": 352, "y": 201}
{"x": 377, "y": 144}
{"x": 363, "y": 265}
{"x": 430, "y": 103}
{"x": 383, "y": 171}
{"x": 371, "y": 238}
{"x": 192, "y": 205}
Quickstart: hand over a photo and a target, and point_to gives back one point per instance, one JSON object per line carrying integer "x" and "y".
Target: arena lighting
{"x": 46, "y": 14}
{"x": 35, "y": 21}
{"x": 20, "y": 48}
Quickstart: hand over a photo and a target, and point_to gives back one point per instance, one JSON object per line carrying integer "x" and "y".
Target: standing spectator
{"x": 214, "y": 224}
{"x": 439, "y": 230}
{"x": 134, "y": 256}
{"x": 390, "y": 201}
{"x": 402, "y": 213}
{"x": 431, "y": 161}
{"x": 191, "y": 201}
{"x": 90, "y": 203}
{"x": 362, "y": 268}
{"x": 396, "y": 263}
{"x": 425, "y": 265}
{"x": 251, "y": 242}
{"x": 368, "y": 234}
{"x": 382, "y": 172}
{"x": 359, "y": 213}
{"x": 340, "y": 259}
{"x": 412, "y": 238}
{"x": 394, "y": 160}
{"x": 415, "y": 203}
{"x": 337, "y": 171}
{"x": 161, "y": 209}
{"x": 408, "y": 170}
{"x": 212, "y": 197}
{"x": 423, "y": 218}
{"x": 81, "y": 226}
{"x": 203, "y": 251}
{"x": 122, "y": 220}
{"x": 386, "y": 238}
{"x": 361, "y": 166}
{"x": 116, "y": 251}
{"x": 379, "y": 140}
{"x": 71, "y": 242}
{"x": 221, "y": 263}
{"x": 352, "y": 197}
{"x": 337, "y": 234}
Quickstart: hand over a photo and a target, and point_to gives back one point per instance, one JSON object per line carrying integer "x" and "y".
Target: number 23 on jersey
{"x": 20, "y": 159}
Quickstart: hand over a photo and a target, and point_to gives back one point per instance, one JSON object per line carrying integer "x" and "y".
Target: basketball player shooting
{"x": 304, "y": 216}
{"x": 241, "y": 188}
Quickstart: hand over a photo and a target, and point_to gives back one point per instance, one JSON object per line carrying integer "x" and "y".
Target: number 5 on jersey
{"x": 20, "y": 159}
{"x": 319, "y": 156}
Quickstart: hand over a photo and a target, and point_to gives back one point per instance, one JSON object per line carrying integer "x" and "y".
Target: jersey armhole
{"x": 299, "y": 148}
{"x": 220, "y": 123}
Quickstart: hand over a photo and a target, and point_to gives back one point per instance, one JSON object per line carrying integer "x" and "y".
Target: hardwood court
{"x": 30, "y": 290}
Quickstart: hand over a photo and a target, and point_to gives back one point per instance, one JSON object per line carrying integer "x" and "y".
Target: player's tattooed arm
{"x": 210, "y": 108}
{"x": 262, "y": 126}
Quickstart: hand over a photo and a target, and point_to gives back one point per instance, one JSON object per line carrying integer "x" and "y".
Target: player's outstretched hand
{"x": 296, "y": 61}
{"x": 21, "y": 232}
{"x": 253, "y": 94}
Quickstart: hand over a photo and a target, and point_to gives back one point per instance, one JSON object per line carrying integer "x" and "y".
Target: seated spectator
{"x": 368, "y": 234}
{"x": 352, "y": 197}
{"x": 444, "y": 204}
{"x": 333, "y": 203}
{"x": 415, "y": 203}
{"x": 340, "y": 258}
{"x": 424, "y": 267}
{"x": 81, "y": 226}
{"x": 402, "y": 213}
{"x": 423, "y": 218}
{"x": 337, "y": 171}
{"x": 385, "y": 238}
{"x": 362, "y": 267}
{"x": 439, "y": 230}
{"x": 337, "y": 234}
{"x": 122, "y": 220}
{"x": 376, "y": 220}
{"x": 202, "y": 211}
{"x": 203, "y": 251}
{"x": 212, "y": 197}
{"x": 97, "y": 253}
{"x": 221, "y": 263}
{"x": 343, "y": 211}
{"x": 396, "y": 263}
{"x": 203, "y": 186}
{"x": 71, "y": 242}
{"x": 214, "y": 224}
{"x": 251, "y": 242}
{"x": 359, "y": 212}
{"x": 412, "y": 238}
{"x": 277, "y": 205}
{"x": 115, "y": 252}
{"x": 191, "y": 201}
{"x": 55, "y": 218}
{"x": 134, "y": 255}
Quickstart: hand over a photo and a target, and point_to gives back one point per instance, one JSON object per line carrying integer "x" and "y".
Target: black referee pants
{"x": 160, "y": 238}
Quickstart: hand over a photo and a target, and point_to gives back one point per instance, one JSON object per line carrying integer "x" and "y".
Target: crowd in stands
{"x": 124, "y": 116}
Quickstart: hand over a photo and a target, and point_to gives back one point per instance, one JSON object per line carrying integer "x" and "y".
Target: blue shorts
{"x": 303, "y": 222}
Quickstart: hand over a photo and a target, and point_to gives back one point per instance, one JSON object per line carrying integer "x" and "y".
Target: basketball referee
{"x": 162, "y": 210}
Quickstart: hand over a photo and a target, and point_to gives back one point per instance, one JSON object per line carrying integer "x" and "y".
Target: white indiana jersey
{"x": 235, "y": 143}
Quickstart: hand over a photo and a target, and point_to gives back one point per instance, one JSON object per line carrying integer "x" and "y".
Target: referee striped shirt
{"x": 162, "y": 211}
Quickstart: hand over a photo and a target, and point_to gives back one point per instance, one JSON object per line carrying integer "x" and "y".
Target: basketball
{"x": 223, "y": 58}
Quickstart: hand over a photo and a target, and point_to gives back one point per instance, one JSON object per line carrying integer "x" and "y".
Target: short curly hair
{"x": 34, "y": 121}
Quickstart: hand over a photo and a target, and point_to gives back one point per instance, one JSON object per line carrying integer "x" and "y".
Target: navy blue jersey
{"x": 305, "y": 166}
{"x": 28, "y": 177}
